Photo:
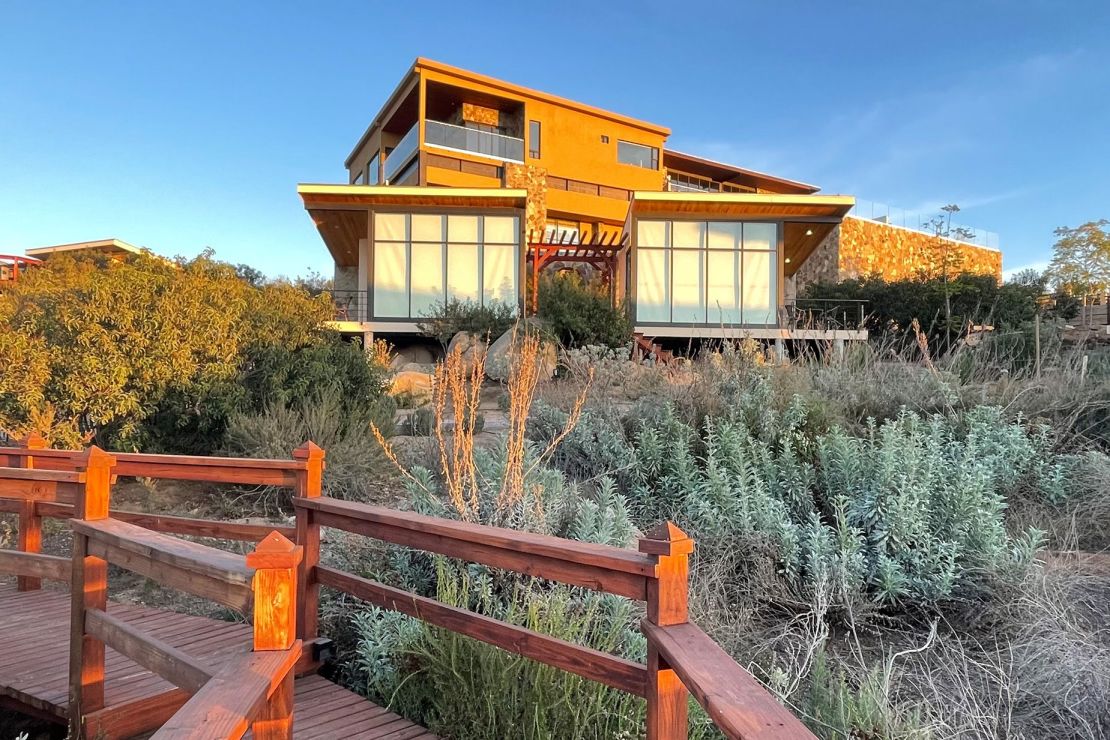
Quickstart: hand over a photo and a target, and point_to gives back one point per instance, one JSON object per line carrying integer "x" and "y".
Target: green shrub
{"x": 194, "y": 420}
{"x": 110, "y": 343}
{"x": 581, "y": 313}
{"x": 488, "y": 321}
{"x": 420, "y": 423}
{"x": 355, "y": 461}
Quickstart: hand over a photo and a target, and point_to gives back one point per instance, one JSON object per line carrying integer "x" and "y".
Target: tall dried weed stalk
{"x": 456, "y": 396}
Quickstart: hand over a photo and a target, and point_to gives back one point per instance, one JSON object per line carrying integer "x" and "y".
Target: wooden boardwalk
{"x": 34, "y": 667}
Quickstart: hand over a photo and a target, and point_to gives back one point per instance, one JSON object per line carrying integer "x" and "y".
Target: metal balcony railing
{"x": 460, "y": 138}
{"x": 351, "y": 305}
{"x": 824, "y": 313}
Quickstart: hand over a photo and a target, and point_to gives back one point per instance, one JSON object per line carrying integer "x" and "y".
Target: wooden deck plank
{"x": 34, "y": 630}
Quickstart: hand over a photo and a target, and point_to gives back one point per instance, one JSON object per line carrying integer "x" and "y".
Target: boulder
{"x": 415, "y": 384}
{"x": 417, "y": 353}
{"x": 418, "y": 367}
{"x": 501, "y": 352}
{"x": 470, "y": 345}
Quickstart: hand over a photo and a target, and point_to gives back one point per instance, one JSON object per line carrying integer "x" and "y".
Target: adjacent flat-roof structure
{"x": 110, "y": 247}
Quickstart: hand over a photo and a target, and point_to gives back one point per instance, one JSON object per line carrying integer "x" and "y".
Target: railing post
{"x": 666, "y": 605}
{"x": 275, "y": 562}
{"x": 309, "y": 485}
{"x": 30, "y": 523}
{"x": 89, "y": 590}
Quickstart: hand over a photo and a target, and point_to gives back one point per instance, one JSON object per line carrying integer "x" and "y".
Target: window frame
{"x": 535, "y": 139}
{"x": 653, "y": 155}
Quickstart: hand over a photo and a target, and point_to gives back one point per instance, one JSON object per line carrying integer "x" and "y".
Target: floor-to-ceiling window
{"x": 706, "y": 272}
{"x": 424, "y": 260}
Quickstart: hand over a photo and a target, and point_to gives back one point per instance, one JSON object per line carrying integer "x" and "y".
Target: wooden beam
{"x": 598, "y": 567}
{"x": 161, "y": 658}
{"x": 233, "y": 698}
{"x": 35, "y": 565}
{"x": 135, "y": 717}
{"x": 582, "y": 661}
{"x": 736, "y": 702}
{"x": 238, "y": 531}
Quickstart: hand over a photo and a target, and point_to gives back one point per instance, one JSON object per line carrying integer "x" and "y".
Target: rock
{"x": 418, "y": 367}
{"x": 415, "y": 384}
{"x": 417, "y": 353}
{"x": 500, "y": 354}
{"x": 471, "y": 345}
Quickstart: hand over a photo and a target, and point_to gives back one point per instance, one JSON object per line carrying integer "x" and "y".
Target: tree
{"x": 1081, "y": 259}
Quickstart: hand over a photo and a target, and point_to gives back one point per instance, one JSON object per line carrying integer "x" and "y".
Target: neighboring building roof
{"x": 730, "y": 173}
{"x": 107, "y": 246}
{"x": 513, "y": 89}
{"x": 341, "y": 227}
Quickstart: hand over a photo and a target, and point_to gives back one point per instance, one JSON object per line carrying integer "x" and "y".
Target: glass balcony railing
{"x": 922, "y": 221}
{"x": 499, "y": 146}
{"x": 403, "y": 152}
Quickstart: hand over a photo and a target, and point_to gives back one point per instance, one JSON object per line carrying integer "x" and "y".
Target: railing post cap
{"x": 309, "y": 451}
{"x": 98, "y": 458}
{"x": 275, "y": 551}
{"x": 666, "y": 539}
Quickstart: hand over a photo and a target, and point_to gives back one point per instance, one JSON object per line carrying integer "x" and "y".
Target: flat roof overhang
{"x": 722, "y": 172}
{"x": 808, "y": 219}
{"x": 340, "y": 211}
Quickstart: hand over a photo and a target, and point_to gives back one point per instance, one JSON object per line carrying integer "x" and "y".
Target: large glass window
{"x": 706, "y": 272}
{"x": 372, "y": 170}
{"x": 423, "y": 260}
{"x": 638, "y": 154}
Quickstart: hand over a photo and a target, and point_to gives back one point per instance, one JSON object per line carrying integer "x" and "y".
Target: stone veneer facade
{"x": 533, "y": 179}
{"x": 859, "y": 247}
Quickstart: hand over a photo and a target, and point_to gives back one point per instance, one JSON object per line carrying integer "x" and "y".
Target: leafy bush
{"x": 194, "y": 419}
{"x": 420, "y": 423}
{"x": 912, "y": 512}
{"x": 974, "y": 299}
{"x": 355, "y": 462}
{"x": 581, "y": 313}
{"x": 487, "y": 322}
{"x": 103, "y": 344}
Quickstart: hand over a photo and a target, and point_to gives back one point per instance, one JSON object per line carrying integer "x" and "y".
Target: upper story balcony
{"x": 402, "y": 154}
{"x": 681, "y": 182}
{"x": 473, "y": 140}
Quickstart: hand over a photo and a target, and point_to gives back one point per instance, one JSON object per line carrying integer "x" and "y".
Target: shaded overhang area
{"x": 341, "y": 212}
{"x": 807, "y": 219}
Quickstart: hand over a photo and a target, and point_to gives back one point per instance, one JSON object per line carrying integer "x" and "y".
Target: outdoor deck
{"x": 34, "y": 670}
{"x": 112, "y": 670}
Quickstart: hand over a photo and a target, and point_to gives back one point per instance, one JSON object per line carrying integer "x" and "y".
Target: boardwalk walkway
{"x": 34, "y": 667}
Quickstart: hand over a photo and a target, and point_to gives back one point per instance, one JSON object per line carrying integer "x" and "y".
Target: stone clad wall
{"x": 859, "y": 247}
{"x": 472, "y": 113}
{"x": 533, "y": 179}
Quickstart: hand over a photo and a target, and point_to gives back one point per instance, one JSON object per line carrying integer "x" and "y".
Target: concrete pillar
{"x": 838, "y": 344}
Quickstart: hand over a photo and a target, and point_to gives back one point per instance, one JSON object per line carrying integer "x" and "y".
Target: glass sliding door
{"x": 713, "y": 273}
{"x": 423, "y": 260}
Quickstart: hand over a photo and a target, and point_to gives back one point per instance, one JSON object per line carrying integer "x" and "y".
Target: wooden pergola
{"x": 599, "y": 250}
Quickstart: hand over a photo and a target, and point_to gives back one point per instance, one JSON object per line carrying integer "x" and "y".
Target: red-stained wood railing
{"x": 681, "y": 658}
{"x": 251, "y": 692}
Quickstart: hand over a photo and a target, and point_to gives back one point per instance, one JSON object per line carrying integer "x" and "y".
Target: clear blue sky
{"x": 182, "y": 125}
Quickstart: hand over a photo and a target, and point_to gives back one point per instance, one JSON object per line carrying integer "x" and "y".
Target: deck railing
{"x": 681, "y": 659}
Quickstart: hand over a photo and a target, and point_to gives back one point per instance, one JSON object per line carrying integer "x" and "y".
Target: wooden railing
{"x": 681, "y": 660}
{"x": 681, "y": 657}
{"x": 253, "y": 691}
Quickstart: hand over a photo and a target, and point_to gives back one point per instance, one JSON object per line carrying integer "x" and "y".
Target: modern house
{"x": 466, "y": 187}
